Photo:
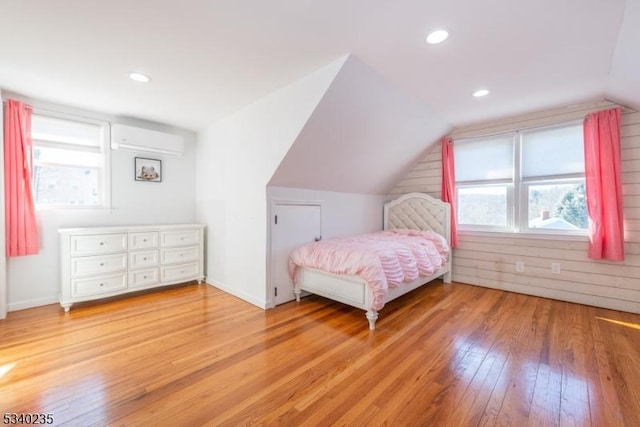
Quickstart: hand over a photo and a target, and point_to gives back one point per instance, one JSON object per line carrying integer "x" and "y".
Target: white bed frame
{"x": 416, "y": 211}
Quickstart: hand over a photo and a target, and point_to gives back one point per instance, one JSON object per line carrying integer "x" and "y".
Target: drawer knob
{"x": 144, "y": 240}
{"x": 101, "y": 284}
{"x": 144, "y": 277}
{"x": 145, "y": 258}
{"x": 101, "y": 243}
{"x": 181, "y": 271}
{"x": 102, "y": 264}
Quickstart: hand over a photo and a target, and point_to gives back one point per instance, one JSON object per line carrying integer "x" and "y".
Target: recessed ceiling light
{"x": 139, "y": 77}
{"x": 480, "y": 93}
{"x": 437, "y": 36}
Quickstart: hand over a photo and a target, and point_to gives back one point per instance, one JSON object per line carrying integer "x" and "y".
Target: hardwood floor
{"x": 454, "y": 355}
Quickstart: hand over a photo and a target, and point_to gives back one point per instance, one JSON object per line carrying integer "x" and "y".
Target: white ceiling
{"x": 209, "y": 58}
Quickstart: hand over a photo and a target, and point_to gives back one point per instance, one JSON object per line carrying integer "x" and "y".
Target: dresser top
{"x": 128, "y": 228}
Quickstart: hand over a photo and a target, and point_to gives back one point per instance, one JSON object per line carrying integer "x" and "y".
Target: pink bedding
{"x": 384, "y": 259}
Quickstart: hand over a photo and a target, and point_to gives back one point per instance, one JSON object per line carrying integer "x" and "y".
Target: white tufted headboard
{"x": 419, "y": 211}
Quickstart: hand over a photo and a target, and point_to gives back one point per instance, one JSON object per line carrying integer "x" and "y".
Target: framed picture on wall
{"x": 148, "y": 169}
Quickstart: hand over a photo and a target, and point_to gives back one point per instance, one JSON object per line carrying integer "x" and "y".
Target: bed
{"x": 414, "y": 211}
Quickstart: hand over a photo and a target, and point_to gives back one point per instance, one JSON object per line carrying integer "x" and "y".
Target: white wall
{"x": 364, "y": 135}
{"x": 34, "y": 280}
{"x": 3, "y": 265}
{"x": 236, "y": 158}
{"x": 343, "y": 214}
{"x": 489, "y": 259}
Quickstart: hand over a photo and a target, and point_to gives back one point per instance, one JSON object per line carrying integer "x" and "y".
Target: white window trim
{"x": 558, "y": 179}
{"x": 510, "y": 202}
{"x": 524, "y": 235}
{"x": 106, "y": 160}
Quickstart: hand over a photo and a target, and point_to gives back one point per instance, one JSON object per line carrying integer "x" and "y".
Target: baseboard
{"x": 22, "y": 305}
{"x": 242, "y": 295}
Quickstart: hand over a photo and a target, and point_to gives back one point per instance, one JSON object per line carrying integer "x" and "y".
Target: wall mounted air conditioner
{"x": 141, "y": 140}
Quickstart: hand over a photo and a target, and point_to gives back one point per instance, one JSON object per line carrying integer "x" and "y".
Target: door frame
{"x": 270, "y": 302}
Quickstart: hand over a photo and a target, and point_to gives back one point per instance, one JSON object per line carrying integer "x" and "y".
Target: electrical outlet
{"x": 555, "y": 267}
{"x": 520, "y": 266}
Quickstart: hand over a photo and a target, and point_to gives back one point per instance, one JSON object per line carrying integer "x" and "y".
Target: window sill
{"x": 539, "y": 236}
{"x": 63, "y": 209}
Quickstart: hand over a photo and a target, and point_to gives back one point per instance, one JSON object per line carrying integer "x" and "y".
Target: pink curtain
{"x": 20, "y": 213}
{"x": 449, "y": 185}
{"x": 604, "y": 185}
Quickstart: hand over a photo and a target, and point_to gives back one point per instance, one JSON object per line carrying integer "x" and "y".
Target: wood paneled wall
{"x": 489, "y": 259}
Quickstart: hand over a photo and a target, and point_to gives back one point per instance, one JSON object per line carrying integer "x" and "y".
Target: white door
{"x": 291, "y": 226}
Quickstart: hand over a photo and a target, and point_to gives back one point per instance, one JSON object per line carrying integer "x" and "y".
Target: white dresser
{"x": 100, "y": 262}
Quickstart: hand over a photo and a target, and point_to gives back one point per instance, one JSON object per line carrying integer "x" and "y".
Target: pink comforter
{"x": 384, "y": 259}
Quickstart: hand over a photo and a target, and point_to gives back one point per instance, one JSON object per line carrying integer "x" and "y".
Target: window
{"x": 527, "y": 181}
{"x": 70, "y": 159}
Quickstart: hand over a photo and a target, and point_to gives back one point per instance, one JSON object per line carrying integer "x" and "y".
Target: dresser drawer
{"x": 98, "y": 264}
{"x": 180, "y": 238}
{"x": 143, "y": 240}
{"x": 98, "y": 244}
{"x": 184, "y": 272}
{"x": 141, "y": 278}
{"x": 141, "y": 259}
{"x": 173, "y": 255}
{"x": 98, "y": 285}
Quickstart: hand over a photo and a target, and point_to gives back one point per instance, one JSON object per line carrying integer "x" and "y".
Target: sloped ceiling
{"x": 209, "y": 58}
{"x": 623, "y": 83}
{"x": 361, "y": 137}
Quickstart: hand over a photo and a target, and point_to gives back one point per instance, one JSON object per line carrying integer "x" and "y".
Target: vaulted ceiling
{"x": 208, "y": 58}
{"x": 362, "y": 136}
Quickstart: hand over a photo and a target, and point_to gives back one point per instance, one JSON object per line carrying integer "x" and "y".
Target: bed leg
{"x": 372, "y": 316}
{"x": 297, "y": 293}
{"x": 447, "y": 277}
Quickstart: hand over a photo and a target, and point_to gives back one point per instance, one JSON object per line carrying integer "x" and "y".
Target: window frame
{"x": 103, "y": 169}
{"x": 510, "y": 193}
{"x": 524, "y": 203}
{"x": 518, "y": 187}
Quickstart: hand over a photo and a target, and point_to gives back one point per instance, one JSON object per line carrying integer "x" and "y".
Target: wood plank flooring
{"x": 453, "y": 355}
